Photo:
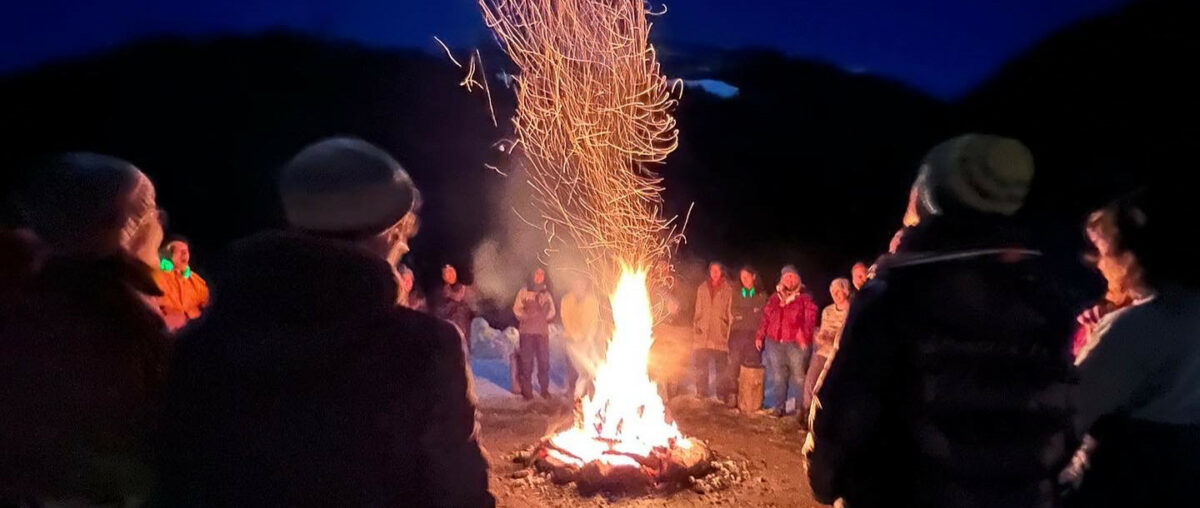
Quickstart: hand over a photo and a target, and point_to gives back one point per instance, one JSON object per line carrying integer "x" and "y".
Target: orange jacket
{"x": 183, "y": 297}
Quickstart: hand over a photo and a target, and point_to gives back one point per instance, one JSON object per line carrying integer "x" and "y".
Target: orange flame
{"x": 626, "y": 414}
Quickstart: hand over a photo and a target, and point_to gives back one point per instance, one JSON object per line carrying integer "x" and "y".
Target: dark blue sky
{"x": 942, "y": 46}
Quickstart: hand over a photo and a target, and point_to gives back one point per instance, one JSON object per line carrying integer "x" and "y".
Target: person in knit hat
{"x": 930, "y": 398}
{"x": 84, "y": 352}
{"x": 833, "y": 318}
{"x": 973, "y": 173}
{"x": 785, "y": 336}
{"x": 307, "y": 383}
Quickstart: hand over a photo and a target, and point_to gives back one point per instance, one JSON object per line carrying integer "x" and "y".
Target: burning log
{"x": 625, "y": 473}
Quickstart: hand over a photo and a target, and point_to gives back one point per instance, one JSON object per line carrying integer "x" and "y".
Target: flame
{"x": 625, "y": 416}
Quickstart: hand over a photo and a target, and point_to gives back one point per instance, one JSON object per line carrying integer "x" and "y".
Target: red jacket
{"x": 795, "y": 321}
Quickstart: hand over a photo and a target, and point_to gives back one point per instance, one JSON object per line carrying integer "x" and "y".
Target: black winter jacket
{"x": 952, "y": 384}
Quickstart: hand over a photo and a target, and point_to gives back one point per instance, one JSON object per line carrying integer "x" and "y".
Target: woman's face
{"x": 840, "y": 296}
{"x": 747, "y": 279}
{"x": 1114, "y": 267}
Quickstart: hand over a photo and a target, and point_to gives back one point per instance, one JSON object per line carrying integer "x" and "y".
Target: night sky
{"x": 944, "y": 47}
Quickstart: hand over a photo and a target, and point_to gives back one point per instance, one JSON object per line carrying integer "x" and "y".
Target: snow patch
{"x": 715, "y": 87}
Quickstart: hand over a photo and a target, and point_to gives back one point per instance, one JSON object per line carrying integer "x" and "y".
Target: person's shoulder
{"x": 421, "y": 329}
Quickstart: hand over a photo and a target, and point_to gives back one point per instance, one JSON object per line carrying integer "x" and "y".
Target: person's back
{"x": 83, "y": 354}
{"x": 982, "y": 412}
{"x": 1138, "y": 397}
{"x": 952, "y": 382}
{"x": 307, "y": 384}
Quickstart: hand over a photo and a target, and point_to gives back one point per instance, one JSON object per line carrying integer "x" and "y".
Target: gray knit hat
{"x": 789, "y": 269}
{"x": 988, "y": 174}
{"x": 87, "y": 202}
{"x": 345, "y": 187}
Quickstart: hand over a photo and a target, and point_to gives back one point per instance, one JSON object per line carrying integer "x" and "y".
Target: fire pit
{"x": 663, "y": 468}
{"x": 621, "y": 440}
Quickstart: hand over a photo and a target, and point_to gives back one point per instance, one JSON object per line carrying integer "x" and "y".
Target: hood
{"x": 293, "y": 277}
{"x": 944, "y": 238}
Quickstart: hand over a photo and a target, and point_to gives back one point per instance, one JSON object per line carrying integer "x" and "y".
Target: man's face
{"x": 539, "y": 276}
{"x": 181, "y": 255}
{"x": 714, "y": 272}
{"x": 791, "y": 281}
{"x": 747, "y": 279}
{"x": 858, "y": 275}
{"x": 449, "y": 275}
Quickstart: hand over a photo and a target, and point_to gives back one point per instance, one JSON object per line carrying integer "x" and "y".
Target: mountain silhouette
{"x": 807, "y": 164}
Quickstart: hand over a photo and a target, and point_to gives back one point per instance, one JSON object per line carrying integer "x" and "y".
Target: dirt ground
{"x": 765, "y": 451}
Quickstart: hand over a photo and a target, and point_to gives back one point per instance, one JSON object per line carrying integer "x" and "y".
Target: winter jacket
{"x": 951, "y": 386}
{"x": 713, "y": 317}
{"x": 580, "y": 316}
{"x": 306, "y": 384}
{"x": 83, "y": 360}
{"x": 534, "y": 310}
{"x": 1138, "y": 398}
{"x": 747, "y": 309}
{"x": 789, "y": 319}
{"x": 456, "y": 304}
{"x": 184, "y": 296}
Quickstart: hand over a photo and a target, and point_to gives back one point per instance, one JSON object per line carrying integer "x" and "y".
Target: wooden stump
{"x": 513, "y": 373}
{"x": 750, "y": 389}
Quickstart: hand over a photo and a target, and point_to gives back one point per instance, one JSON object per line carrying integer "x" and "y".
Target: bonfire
{"x": 622, "y": 439}
{"x": 593, "y": 116}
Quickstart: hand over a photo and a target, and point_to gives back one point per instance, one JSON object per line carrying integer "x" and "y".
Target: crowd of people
{"x": 951, "y": 372}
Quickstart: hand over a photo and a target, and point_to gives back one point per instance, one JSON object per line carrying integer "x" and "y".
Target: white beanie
{"x": 345, "y": 187}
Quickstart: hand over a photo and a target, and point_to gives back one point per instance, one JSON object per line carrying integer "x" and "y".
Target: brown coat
{"x": 714, "y": 317}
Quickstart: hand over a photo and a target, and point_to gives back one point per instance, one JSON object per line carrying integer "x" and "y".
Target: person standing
{"x": 1122, "y": 274}
{"x": 83, "y": 349}
{"x": 581, "y": 320}
{"x": 1138, "y": 377}
{"x": 711, "y": 322}
{"x": 747, "y": 306}
{"x": 833, "y": 318}
{"x": 534, "y": 308}
{"x": 307, "y": 384}
{"x": 785, "y": 335}
{"x": 456, "y": 303}
{"x": 952, "y": 382}
{"x": 411, "y": 295}
{"x": 858, "y": 275}
{"x": 185, "y": 293}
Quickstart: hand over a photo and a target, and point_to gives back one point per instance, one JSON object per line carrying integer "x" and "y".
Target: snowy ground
{"x": 764, "y": 451}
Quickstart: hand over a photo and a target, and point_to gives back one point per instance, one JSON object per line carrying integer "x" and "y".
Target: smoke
{"x": 503, "y": 262}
